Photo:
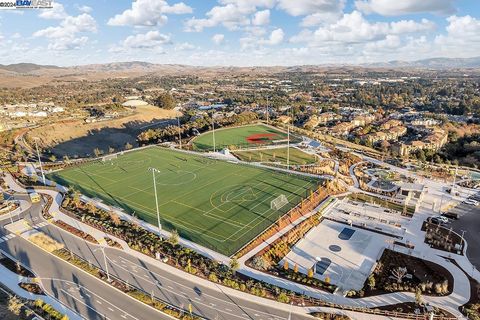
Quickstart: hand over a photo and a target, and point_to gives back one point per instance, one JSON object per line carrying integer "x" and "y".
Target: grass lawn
{"x": 217, "y": 204}
{"x": 246, "y": 136}
{"x": 297, "y": 157}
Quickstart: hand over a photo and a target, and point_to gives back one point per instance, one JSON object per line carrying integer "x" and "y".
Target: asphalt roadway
{"x": 94, "y": 299}
{"x": 469, "y": 221}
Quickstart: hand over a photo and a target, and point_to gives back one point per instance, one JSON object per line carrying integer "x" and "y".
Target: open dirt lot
{"x": 77, "y": 138}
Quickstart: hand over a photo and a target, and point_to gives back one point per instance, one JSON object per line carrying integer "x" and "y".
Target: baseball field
{"x": 241, "y": 137}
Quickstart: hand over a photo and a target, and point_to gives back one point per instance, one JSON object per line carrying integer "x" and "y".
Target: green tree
{"x": 174, "y": 238}
{"x": 234, "y": 265}
{"x": 165, "y": 101}
{"x": 371, "y": 282}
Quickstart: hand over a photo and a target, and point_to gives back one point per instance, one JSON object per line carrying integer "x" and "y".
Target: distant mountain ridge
{"x": 432, "y": 63}
{"x": 26, "y": 67}
{"x": 146, "y": 67}
{"x": 141, "y": 66}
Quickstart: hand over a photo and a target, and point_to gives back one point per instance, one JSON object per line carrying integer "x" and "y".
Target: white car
{"x": 442, "y": 219}
{"x": 471, "y": 202}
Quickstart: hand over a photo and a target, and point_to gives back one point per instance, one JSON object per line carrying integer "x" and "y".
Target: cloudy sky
{"x": 240, "y": 32}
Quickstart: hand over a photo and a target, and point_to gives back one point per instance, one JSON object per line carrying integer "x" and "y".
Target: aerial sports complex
{"x": 219, "y": 204}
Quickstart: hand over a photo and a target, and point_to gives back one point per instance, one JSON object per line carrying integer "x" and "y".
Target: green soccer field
{"x": 217, "y": 204}
{"x": 246, "y": 136}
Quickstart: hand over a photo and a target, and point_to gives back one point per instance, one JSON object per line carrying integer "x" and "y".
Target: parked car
{"x": 471, "y": 202}
{"x": 443, "y": 219}
{"x": 450, "y": 215}
{"x": 435, "y": 221}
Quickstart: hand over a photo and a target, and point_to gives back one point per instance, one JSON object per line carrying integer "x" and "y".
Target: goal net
{"x": 109, "y": 157}
{"x": 279, "y": 202}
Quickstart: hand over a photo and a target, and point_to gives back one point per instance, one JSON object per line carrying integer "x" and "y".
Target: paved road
{"x": 94, "y": 299}
{"x": 470, "y": 222}
{"x": 81, "y": 292}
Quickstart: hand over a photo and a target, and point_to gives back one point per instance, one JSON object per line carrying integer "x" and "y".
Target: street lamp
{"x": 317, "y": 259}
{"x": 105, "y": 261}
{"x": 463, "y": 240}
{"x": 156, "y": 197}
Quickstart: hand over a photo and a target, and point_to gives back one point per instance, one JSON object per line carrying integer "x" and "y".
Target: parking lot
{"x": 469, "y": 221}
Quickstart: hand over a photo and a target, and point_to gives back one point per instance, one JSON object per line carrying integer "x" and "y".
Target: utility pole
{"x": 179, "y": 133}
{"x": 40, "y": 161}
{"x": 156, "y": 197}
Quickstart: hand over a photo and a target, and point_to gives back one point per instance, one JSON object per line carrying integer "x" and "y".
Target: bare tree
{"x": 399, "y": 273}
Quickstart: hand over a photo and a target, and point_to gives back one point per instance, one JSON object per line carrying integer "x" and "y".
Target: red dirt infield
{"x": 261, "y": 137}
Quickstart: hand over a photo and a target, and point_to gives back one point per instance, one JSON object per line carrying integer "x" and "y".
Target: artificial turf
{"x": 297, "y": 157}
{"x": 217, "y": 204}
{"x": 239, "y": 137}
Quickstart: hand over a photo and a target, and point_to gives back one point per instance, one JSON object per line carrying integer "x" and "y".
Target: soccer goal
{"x": 279, "y": 202}
{"x": 109, "y": 157}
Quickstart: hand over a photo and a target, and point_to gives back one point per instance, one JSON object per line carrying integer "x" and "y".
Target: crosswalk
{"x": 41, "y": 225}
{"x": 7, "y": 237}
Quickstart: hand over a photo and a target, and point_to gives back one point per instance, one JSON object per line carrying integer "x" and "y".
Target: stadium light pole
{"x": 267, "y": 111}
{"x": 213, "y": 133}
{"x": 156, "y": 197}
{"x": 288, "y": 140}
{"x": 179, "y": 133}
{"x": 40, "y": 161}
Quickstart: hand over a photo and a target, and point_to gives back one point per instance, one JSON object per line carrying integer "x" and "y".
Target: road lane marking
{"x": 204, "y": 294}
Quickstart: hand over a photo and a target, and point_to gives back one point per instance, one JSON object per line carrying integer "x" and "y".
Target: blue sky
{"x": 240, "y": 32}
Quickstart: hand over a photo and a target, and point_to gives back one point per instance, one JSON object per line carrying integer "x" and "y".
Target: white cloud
{"x": 185, "y": 47}
{"x": 65, "y": 35}
{"x": 232, "y": 14}
{"x": 321, "y": 18}
{"x": 218, "y": 38}
{"x": 261, "y": 18}
{"x": 57, "y": 12}
{"x": 410, "y": 26}
{"x": 149, "y": 40}
{"x": 252, "y": 41}
{"x": 148, "y": 13}
{"x": 354, "y": 28}
{"x": 307, "y": 7}
{"x": 69, "y": 26}
{"x": 402, "y": 7}
{"x": 462, "y": 37}
{"x": 276, "y": 37}
{"x": 84, "y": 9}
